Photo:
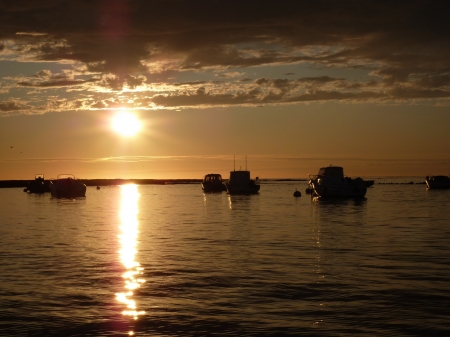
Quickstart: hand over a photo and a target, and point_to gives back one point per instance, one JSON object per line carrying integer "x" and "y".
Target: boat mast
{"x": 234, "y": 163}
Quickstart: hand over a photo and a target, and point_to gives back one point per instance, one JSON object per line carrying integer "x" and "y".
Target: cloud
{"x": 10, "y": 106}
{"x": 61, "y": 83}
{"x": 31, "y": 33}
{"x": 118, "y": 83}
{"x": 401, "y": 47}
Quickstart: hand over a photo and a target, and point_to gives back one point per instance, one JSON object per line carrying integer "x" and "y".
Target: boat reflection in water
{"x": 128, "y": 240}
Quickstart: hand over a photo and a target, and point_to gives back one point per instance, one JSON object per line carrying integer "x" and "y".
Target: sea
{"x": 169, "y": 260}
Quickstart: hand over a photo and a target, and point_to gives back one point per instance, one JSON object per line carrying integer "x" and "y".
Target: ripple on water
{"x": 260, "y": 265}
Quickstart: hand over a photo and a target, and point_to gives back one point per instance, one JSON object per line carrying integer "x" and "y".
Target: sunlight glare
{"x": 126, "y": 124}
{"x": 128, "y": 240}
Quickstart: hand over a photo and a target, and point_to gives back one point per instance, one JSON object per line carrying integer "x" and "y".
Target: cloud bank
{"x": 201, "y": 53}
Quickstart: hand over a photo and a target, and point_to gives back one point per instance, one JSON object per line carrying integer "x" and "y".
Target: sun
{"x": 126, "y": 124}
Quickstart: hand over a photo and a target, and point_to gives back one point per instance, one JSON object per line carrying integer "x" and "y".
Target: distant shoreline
{"x": 115, "y": 182}
{"x": 107, "y": 182}
{"x": 119, "y": 181}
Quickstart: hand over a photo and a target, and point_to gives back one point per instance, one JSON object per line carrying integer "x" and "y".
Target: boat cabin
{"x": 437, "y": 178}
{"x": 212, "y": 178}
{"x": 331, "y": 171}
{"x": 239, "y": 177}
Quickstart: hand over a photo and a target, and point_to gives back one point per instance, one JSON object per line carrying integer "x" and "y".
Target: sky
{"x": 280, "y": 88}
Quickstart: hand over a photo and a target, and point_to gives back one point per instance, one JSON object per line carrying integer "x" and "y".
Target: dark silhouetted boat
{"x": 240, "y": 183}
{"x": 213, "y": 183}
{"x": 38, "y": 185}
{"x": 437, "y": 182}
{"x": 331, "y": 182}
{"x": 67, "y": 186}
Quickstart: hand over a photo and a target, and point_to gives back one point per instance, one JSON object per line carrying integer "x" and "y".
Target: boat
{"x": 38, "y": 185}
{"x": 240, "y": 183}
{"x": 369, "y": 183}
{"x": 331, "y": 182}
{"x": 213, "y": 183}
{"x": 437, "y": 182}
{"x": 67, "y": 186}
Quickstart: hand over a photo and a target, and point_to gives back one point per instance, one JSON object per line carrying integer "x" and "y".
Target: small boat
{"x": 213, "y": 183}
{"x": 240, "y": 183}
{"x": 437, "y": 182}
{"x": 38, "y": 185}
{"x": 67, "y": 186}
{"x": 330, "y": 182}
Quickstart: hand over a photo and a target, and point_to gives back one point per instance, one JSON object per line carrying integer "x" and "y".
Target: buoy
{"x": 297, "y": 193}
{"x": 98, "y": 187}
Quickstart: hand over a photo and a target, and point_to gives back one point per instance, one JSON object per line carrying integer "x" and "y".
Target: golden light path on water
{"x": 128, "y": 240}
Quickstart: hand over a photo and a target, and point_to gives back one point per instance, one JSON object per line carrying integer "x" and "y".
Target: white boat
{"x": 213, "y": 183}
{"x": 437, "y": 182}
{"x": 67, "y": 186}
{"x": 240, "y": 183}
{"x": 331, "y": 182}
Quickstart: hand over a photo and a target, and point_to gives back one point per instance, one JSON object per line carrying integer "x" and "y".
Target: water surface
{"x": 168, "y": 260}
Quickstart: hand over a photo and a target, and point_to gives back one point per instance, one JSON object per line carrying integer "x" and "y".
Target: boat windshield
{"x": 331, "y": 171}
{"x": 66, "y": 176}
{"x": 213, "y": 178}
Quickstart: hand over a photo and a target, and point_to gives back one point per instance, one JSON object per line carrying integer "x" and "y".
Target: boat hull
{"x": 331, "y": 183}
{"x": 437, "y": 182}
{"x": 38, "y": 187}
{"x": 208, "y": 187}
{"x": 67, "y": 189}
{"x": 339, "y": 191}
{"x": 368, "y": 183}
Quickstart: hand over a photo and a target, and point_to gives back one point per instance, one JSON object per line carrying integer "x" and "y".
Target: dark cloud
{"x": 117, "y": 35}
{"x": 13, "y": 106}
{"x": 122, "y": 44}
{"x": 436, "y": 81}
{"x": 319, "y": 80}
{"x": 61, "y": 83}
{"x": 189, "y": 83}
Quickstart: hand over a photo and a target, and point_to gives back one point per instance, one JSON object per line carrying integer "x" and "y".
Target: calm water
{"x": 170, "y": 261}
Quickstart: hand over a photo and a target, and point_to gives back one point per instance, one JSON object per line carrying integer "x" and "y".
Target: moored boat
{"x": 213, "y": 183}
{"x": 240, "y": 183}
{"x": 331, "y": 182}
{"x": 437, "y": 182}
{"x": 67, "y": 186}
{"x": 38, "y": 185}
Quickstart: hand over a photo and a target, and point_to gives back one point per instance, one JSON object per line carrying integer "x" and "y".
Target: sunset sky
{"x": 289, "y": 85}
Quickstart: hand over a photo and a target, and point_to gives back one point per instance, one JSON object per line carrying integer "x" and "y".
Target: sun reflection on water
{"x": 128, "y": 241}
